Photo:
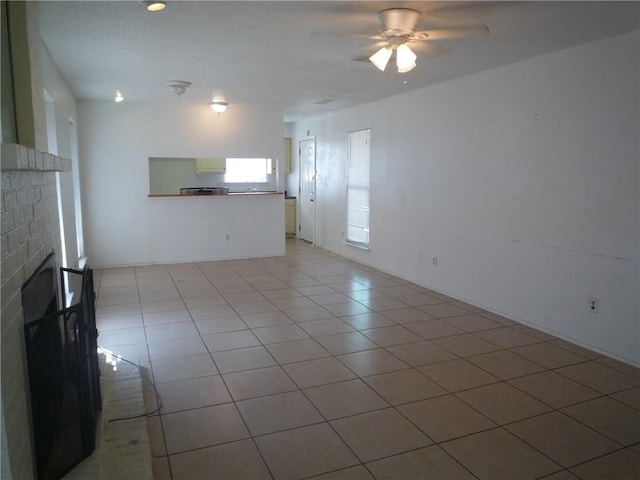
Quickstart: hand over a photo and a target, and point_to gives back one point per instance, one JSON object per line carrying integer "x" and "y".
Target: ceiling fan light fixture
{"x": 218, "y": 106}
{"x": 381, "y": 58}
{"x": 405, "y": 58}
{"x": 155, "y": 6}
{"x": 407, "y": 68}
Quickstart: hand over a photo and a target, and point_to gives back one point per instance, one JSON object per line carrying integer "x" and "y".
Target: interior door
{"x": 307, "y": 154}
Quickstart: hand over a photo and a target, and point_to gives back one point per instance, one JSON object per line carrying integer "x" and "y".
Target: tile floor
{"x": 314, "y": 366}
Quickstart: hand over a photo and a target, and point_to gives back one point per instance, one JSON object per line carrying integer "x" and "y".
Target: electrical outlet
{"x": 434, "y": 260}
{"x": 593, "y": 305}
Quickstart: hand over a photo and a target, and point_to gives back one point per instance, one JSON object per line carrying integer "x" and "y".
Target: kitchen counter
{"x": 231, "y": 194}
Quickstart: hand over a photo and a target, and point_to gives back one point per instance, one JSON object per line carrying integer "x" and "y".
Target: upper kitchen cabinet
{"x": 211, "y": 165}
{"x": 287, "y": 155}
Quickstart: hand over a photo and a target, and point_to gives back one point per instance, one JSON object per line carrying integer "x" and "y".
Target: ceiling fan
{"x": 398, "y": 30}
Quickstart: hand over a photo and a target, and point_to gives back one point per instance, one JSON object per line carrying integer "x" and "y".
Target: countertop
{"x": 230, "y": 194}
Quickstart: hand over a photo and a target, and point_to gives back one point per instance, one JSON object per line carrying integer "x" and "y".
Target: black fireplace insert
{"x": 63, "y": 369}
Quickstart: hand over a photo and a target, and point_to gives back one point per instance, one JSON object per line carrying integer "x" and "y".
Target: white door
{"x": 307, "y": 189}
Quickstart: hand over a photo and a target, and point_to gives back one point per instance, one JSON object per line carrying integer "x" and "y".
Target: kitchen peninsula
{"x": 215, "y": 227}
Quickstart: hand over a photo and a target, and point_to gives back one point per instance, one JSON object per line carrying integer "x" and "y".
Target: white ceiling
{"x": 296, "y": 55}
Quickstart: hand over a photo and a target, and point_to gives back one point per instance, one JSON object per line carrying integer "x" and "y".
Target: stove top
{"x": 204, "y": 191}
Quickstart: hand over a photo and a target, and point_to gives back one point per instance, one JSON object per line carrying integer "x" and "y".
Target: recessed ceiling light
{"x": 155, "y": 6}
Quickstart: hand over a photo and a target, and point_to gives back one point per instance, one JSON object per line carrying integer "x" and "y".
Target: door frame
{"x": 315, "y": 190}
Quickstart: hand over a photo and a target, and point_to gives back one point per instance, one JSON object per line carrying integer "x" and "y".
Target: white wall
{"x": 214, "y": 227}
{"x": 65, "y": 110}
{"x": 522, "y": 180}
{"x": 122, "y": 224}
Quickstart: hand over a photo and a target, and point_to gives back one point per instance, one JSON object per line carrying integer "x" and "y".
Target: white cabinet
{"x": 290, "y": 217}
{"x": 211, "y": 165}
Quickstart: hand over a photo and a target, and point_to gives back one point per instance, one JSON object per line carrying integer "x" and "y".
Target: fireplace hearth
{"x": 63, "y": 371}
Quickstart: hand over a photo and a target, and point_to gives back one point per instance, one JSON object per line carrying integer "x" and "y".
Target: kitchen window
{"x": 248, "y": 170}
{"x": 358, "y": 185}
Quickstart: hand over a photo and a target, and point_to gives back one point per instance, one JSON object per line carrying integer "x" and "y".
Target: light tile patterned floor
{"x": 314, "y": 366}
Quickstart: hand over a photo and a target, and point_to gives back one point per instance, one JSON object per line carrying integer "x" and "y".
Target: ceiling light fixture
{"x": 381, "y": 58}
{"x": 218, "y": 106}
{"x": 178, "y": 86}
{"x": 405, "y": 58}
{"x": 118, "y": 98}
{"x": 154, "y": 6}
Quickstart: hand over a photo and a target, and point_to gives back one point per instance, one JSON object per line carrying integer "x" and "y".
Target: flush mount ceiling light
{"x": 118, "y": 98}
{"x": 155, "y": 6}
{"x": 178, "y": 86}
{"x": 218, "y": 106}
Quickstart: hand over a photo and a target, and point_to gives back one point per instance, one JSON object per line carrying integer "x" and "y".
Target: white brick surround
{"x": 30, "y": 231}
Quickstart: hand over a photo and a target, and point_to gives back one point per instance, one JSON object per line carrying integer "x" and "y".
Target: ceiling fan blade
{"x": 360, "y": 58}
{"x": 427, "y": 48}
{"x": 454, "y": 11}
{"x": 341, "y": 19}
{"x": 380, "y": 43}
{"x": 448, "y": 33}
{"x": 367, "y": 36}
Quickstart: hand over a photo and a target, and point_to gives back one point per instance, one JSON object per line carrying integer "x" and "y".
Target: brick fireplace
{"x": 30, "y": 220}
{"x": 30, "y": 231}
